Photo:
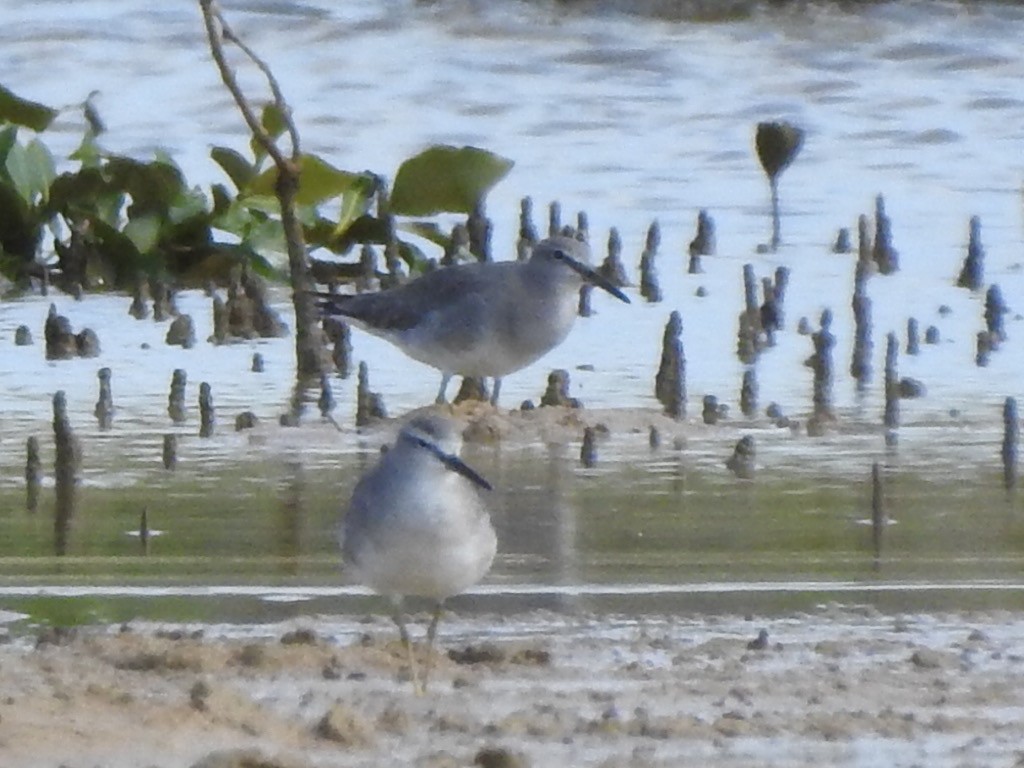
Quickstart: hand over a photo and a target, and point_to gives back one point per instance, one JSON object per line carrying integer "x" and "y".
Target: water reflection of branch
{"x": 67, "y": 462}
{"x": 288, "y": 539}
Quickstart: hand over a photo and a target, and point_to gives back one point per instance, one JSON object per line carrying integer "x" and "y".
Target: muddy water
{"x": 630, "y": 117}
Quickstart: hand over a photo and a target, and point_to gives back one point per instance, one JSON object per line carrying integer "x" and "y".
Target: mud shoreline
{"x": 839, "y": 686}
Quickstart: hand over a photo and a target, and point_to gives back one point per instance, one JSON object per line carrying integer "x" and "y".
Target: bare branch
{"x": 275, "y": 87}
{"x": 217, "y": 29}
{"x": 310, "y": 357}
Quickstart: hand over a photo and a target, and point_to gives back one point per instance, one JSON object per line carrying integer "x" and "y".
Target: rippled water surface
{"x": 631, "y": 117}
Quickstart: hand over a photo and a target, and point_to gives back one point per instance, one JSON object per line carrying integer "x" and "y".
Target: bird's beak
{"x": 596, "y": 278}
{"x": 455, "y": 464}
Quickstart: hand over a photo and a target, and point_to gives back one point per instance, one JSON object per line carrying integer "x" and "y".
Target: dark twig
{"x": 212, "y": 17}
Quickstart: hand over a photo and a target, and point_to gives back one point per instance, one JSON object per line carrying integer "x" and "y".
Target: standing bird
{"x": 485, "y": 319}
{"x": 418, "y": 525}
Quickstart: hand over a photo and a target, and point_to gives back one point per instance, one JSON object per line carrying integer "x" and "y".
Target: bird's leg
{"x": 428, "y": 663}
{"x": 441, "y": 399}
{"x": 403, "y": 633}
{"x": 494, "y": 394}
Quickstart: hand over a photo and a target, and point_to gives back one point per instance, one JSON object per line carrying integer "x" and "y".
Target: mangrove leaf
{"x": 446, "y": 179}
{"x": 319, "y": 181}
{"x": 239, "y": 170}
{"x": 31, "y": 171}
{"x": 19, "y": 111}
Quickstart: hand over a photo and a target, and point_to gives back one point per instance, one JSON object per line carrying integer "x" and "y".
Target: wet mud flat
{"x": 842, "y": 685}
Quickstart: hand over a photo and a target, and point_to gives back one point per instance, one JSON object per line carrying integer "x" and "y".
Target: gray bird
{"x": 483, "y": 319}
{"x": 417, "y": 525}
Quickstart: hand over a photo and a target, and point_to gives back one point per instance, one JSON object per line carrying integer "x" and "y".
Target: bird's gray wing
{"x": 405, "y": 306}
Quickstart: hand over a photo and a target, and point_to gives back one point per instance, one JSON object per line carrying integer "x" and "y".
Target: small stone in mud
{"x": 178, "y": 634}
{"x": 611, "y": 268}
{"x": 472, "y": 388}
{"x": 534, "y": 657}
{"x": 170, "y": 451}
{"x": 301, "y": 636}
{"x": 138, "y": 308}
{"x": 588, "y": 450}
{"x": 760, "y": 642}
{"x": 344, "y": 726}
{"x": 251, "y": 655}
{"x": 199, "y": 696}
{"x": 710, "y": 411}
{"x": 742, "y": 460}
{"x": 247, "y": 758}
{"x": 257, "y": 363}
{"x": 557, "y": 392}
{"x": 60, "y": 339}
{"x": 928, "y": 658}
{"x": 56, "y": 635}
{"x": 87, "y": 343}
{"x": 181, "y": 333}
{"x": 911, "y": 388}
{"x": 931, "y": 335}
{"x": 332, "y": 670}
{"x": 499, "y": 757}
{"x": 369, "y": 405}
{"x": 485, "y": 653}
{"x": 246, "y": 420}
{"x": 703, "y": 243}
{"x": 394, "y": 721}
{"x": 972, "y": 273}
{"x": 842, "y": 242}
{"x": 22, "y": 336}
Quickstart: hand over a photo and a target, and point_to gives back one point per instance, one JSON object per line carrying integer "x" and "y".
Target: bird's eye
{"x": 559, "y": 253}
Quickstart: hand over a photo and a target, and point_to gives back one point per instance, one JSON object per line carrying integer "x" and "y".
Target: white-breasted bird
{"x": 418, "y": 524}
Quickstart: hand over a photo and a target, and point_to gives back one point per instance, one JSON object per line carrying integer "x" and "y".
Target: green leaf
{"x": 188, "y": 205}
{"x": 88, "y": 153}
{"x": 20, "y": 226}
{"x": 365, "y": 229}
{"x": 8, "y": 138}
{"x": 319, "y": 181}
{"x": 267, "y": 204}
{"x": 222, "y": 199}
{"x": 86, "y": 194}
{"x": 446, "y": 179}
{"x": 273, "y": 123}
{"x": 239, "y": 170}
{"x": 273, "y": 120}
{"x": 355, "y": 202}
{"x": 428, "y": 230}
{"x": 235, "y": 217}
{"x": 413, "y": 256}
{"x": 31, "y": 171}
{"x": 118, "y": 250}
{"x": 266, "y": 236}
{"x": 31, "y": 114}
{"x": 154, "y": 186}
{"x": 143, "y": 231}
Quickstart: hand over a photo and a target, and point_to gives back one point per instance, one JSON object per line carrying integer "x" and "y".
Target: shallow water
{"x": 631, "y": 117}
